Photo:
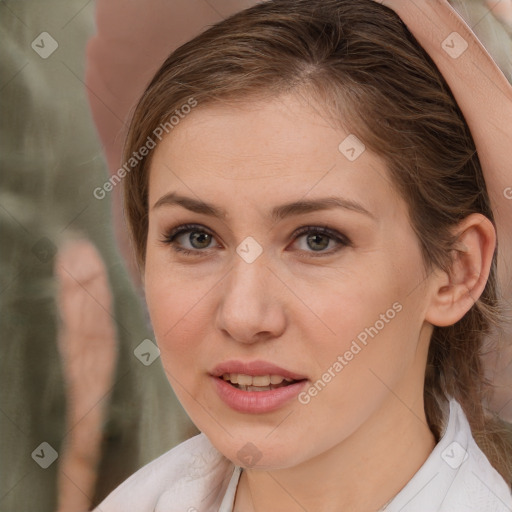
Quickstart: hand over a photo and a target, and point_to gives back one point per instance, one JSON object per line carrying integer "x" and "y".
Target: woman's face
{"x": 302, "y": 265}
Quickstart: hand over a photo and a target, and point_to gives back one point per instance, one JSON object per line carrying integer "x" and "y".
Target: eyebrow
{"x": 277, "y": 213}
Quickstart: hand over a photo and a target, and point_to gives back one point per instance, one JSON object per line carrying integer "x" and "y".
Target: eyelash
{"x": 169, "y": 238}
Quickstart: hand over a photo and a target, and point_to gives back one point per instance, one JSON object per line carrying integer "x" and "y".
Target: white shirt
{"x": 195, "y": 477}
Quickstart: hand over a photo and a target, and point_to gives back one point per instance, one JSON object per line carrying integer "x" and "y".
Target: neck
{"x": 356, "y": 475}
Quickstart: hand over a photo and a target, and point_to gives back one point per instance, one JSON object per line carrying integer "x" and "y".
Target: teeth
{"x": 261, "y": 380}
{"x": 258, "y": 388}
{"x": 255, "y": 383}
{"x": 243, "y": 380}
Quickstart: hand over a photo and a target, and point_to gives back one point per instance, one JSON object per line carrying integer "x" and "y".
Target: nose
{"x": 251, "y": 308}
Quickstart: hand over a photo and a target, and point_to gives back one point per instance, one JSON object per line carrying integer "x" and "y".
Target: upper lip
{"x": 254, "y": 368}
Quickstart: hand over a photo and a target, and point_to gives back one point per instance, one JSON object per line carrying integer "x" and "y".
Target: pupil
{"x": 322, "y": 246}
{"x": 195, "y": 235}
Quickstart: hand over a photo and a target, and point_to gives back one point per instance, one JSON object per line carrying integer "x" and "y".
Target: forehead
{"x": 281, "y": 147}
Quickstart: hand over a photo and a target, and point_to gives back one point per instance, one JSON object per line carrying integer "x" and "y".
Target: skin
{"x": 362, "y": 438}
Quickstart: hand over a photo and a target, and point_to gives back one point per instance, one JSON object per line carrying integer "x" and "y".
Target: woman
{"x": 319, "y": 256}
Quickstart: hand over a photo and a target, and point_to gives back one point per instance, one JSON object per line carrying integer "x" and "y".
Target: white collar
{"x": 456, "y": 476}
{"x": 195, "y": 477}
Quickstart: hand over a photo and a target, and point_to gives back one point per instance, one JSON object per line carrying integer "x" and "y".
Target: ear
{"x": 455, "y": 292}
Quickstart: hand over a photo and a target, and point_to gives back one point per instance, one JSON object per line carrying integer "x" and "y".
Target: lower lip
{"x": 256, "y": 402}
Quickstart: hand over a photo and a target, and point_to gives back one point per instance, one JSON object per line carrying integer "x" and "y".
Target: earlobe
{"x": 455, "y": 293}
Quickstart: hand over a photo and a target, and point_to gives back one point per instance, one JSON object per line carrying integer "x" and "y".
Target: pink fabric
{"x": 133, "y": 38}
{"x": 502, "y": 9}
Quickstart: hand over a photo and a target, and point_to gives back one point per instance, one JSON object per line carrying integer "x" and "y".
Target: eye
{"x": 319, "y": 238}
{"x": 199, "y": 239}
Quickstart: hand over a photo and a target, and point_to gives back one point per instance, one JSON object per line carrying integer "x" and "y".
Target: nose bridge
{"x": 247, "y": 280}
{"x": 247, "y": 306}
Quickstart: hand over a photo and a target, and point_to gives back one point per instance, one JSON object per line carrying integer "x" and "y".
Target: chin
{"x": 256, "y": 452}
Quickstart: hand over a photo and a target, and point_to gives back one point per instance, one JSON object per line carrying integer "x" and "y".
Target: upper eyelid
{"x": 185, "y": 228}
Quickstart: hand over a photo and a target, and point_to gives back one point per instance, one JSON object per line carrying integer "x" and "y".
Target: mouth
{"x": 257, "y": 382}
{"x": 256, "y": 387}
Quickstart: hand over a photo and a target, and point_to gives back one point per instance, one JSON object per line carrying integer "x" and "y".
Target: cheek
{"x": 174, "y": 316}
{"x": 174, "y": 307}
{"x": 353, "y": 306}
{"x": 374, "y": 318}
{"x": 368, "y": 329}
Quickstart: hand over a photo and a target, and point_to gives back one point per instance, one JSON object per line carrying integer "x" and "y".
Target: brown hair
{"x": 365, "y": 69}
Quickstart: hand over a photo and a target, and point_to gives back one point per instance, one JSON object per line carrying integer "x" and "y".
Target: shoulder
{"x": 193, "y": 475}
{"x": 480, "y": 487}
{"x": 457, "y": 476}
